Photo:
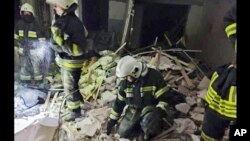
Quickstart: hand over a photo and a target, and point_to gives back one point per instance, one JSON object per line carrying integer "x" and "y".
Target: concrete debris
{"x": 197, "y": 117}
{"x": 183, "y": 107}
{"x": 202, "y": 93}
{"x": 199, "y": 110}
{"x": 204, "y": 83}
{"x": 99, "y": 87}
{"x": 107, "y": 97}
{"x": 190, "y": 100}
{"x": 185, "y": 91}
{"x": 100, "y": 114}
{"x": 200, "y": 102}
{"x": 110, "y": 80}
{"x": 88, "y": 126}
{"x": 185, "y": 125}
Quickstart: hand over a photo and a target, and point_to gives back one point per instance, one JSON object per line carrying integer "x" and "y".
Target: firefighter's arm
{"x": 117, "y": 109}
{"x": 161, "y": 94}
{"x": 230, "y": 24}
{"x": 119, "y": 104}
{"x": 17, "y": 41}
{"x": 66, "y": 42}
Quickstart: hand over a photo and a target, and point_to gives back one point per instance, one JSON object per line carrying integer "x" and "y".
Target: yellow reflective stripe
{"x": 161, "y": 91}
{"x": 232, "y": 94}
{"x": 113, "y": 112}
{"x": 38, "y": 77}
{"x": 215, "y": 97}
{"x": 231, "y": 114}
{"x": 230, "y": 29}
{"x": 59, "y": 40}
{"x": 75, "y": 50}
{"x": 162, "y": 105}
{"x": 16, "y": 36}
{"x": 146, "y": 109}
{"x": 113, "y": 117}
{"x": 121, "y": 98}
{"x": 72, "y": 66}
{"x": 148, "y": 88}
{"x": 231, "y": 32}
{"x": 25, "y": 77}
{"x": 129, "y": 90}
{"x": 42, "y": 39}
{"x": 214, "y": 77}
{"x": 73, "y": 105}
{"x": 53, "y": 29}
{"x": 32, "y": 34}
{"x": 206, "y": 137}
{"x": 221, "y": 107}
{"x": 20, "y": 32}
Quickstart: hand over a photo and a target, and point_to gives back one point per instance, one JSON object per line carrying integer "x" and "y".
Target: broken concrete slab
{"x": 200, "y": 102}
{"x": 100, "y": 114}
{"x": 107, "y": 97}
{"x": 202, "y": 93}
{"x": 190, "y": 100}
{"x": 88, "y": 126}
{"x": 185, "y": 125}
{"x": 204, "y": 83}
{"x": 183, "y": 107}
{"x": 199, "y": 110}
{"x": 110, "y": 80}
{"x": 185, "y": 91}
{"x": 197, "y": 117}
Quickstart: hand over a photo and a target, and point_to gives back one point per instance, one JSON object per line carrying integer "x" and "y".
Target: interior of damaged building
{"x": 124, "y": 70}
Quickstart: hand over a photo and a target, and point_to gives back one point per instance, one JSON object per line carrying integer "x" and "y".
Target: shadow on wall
{"x": 204, "y": 31}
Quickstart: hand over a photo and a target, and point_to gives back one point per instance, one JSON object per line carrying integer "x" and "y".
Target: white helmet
{"x": 65, "y": 4}
{"x": 27, "y": 7}
{"x": 128, "y": 66}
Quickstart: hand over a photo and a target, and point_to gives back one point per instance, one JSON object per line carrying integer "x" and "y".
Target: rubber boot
{"x": 76, "y": 113}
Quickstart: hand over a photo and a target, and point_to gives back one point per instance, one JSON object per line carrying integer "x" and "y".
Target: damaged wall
{"x": 204, "y": 31}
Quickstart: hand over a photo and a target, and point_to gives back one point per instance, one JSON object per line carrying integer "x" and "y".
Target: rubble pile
{"x": 98, "y": 86}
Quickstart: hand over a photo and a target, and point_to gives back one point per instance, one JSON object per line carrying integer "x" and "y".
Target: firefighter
{"x": 221, "y": 96}
{"x": 29, "y": 42}
{"x": 68, "y": 39}
{"x": 145, "y": 92}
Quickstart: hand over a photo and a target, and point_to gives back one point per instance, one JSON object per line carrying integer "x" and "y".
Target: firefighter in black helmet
{"x": 221, "y": 96}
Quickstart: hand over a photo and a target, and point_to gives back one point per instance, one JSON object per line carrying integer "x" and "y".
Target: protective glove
{"x": 111, "y": 124}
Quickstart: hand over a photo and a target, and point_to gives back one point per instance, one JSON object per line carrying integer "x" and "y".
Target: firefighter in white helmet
{"x": 29, "y": 39}
{"x": 69, "y": 42}
{"x": 144, "y": 90}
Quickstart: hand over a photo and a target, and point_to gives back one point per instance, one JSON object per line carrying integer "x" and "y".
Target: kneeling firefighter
{"x": 145, "y": 92}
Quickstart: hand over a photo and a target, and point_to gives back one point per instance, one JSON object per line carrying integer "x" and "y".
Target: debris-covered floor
{"x": 98, "y": 85}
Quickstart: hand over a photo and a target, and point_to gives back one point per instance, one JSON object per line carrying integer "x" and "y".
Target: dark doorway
{"x": 153, "y": 20}
{"x": 95, "y": 14}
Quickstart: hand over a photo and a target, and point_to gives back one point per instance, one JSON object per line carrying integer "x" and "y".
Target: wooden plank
{"x": 184, "y": 74}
